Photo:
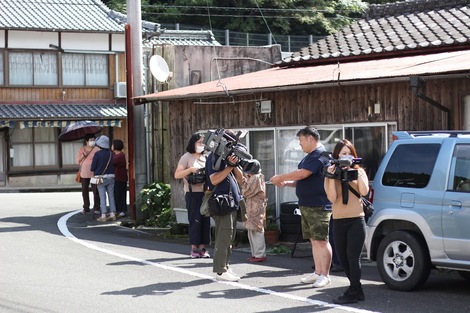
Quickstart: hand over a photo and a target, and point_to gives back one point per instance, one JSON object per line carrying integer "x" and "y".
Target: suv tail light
{"x": 371, "y": 195}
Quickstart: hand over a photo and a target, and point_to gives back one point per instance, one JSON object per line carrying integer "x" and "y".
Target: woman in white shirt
{"x": 193, "y": 162}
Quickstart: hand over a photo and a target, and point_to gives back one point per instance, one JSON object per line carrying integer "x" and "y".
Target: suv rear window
{"x": 411, "y": 165}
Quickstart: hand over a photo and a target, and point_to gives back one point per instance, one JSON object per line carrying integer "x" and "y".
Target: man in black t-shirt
{"x": 313, "y": 203}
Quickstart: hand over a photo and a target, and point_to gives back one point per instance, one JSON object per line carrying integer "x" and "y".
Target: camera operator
{"x": 348, "y": 218}
{"x": 225, "y": 179}
{"x": 192, "y": 162}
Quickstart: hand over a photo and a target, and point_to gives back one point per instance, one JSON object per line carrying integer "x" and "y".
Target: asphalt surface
{"x": 56, "y": 260}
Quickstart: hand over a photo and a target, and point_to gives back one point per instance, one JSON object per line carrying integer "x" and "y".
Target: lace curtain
{"x": 73, "y": 69}
{"x": 45, "y": 69}
{"x": 69, "y": 152}
{"x": 84, "y": 70}
{"x": 33, "y": 68}
{"x": 42, "y": 152}
{"x": 21, "y": 68}
{"x": 96, "y": 70}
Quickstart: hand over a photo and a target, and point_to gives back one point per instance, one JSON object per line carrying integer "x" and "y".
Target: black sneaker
{"x": 360, "y": 295}
{"x": 346, "y": 298}
{"x": 350, "y": 297}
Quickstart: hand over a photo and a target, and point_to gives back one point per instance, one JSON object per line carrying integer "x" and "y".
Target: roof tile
{"x": 69, "y": 15}
{"x": 62, "y": 111}
{"x": 408, "y": 25}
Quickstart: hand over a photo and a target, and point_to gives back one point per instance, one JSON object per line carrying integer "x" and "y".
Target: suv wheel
{"x": 403, "y": 261}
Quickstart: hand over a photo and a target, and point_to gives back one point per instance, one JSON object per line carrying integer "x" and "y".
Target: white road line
{"x": 62, "y": 225}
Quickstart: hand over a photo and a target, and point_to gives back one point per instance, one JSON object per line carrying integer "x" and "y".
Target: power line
{"x": 223, "y": 15}
{"x": 161, "y": 6}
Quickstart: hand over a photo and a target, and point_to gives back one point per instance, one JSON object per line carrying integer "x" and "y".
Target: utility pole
{"x": 134, "y": 19}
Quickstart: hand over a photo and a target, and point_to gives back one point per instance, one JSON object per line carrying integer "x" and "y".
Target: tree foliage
{"x": 282, "y": 17}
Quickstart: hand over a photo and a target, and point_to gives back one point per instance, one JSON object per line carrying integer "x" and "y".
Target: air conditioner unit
{"x": 120, "y": 90}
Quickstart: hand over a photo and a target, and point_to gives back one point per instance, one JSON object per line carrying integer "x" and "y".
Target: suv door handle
{"x": 455, "y": 203}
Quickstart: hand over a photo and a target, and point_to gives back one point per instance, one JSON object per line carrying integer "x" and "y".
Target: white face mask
{"x": 199, "y": 149}
{"x": 91, "y": 143}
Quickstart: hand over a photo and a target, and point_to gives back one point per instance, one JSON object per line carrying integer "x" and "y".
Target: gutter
{"x": 240, "y": 92}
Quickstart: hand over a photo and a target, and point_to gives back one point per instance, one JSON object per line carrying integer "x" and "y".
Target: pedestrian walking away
{"x": 120, "y": 178}
{"x": 103, "y": 170}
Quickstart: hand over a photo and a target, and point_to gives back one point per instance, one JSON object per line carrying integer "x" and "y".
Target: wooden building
{"x": 58, "y": 69}
{"x": 406, "y": 66}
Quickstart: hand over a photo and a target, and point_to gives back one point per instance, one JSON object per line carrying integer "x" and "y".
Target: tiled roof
{"x": 61, "y": 111}
{"x": 63, "y": 15}
{"x": 411, "y": 26}
{"x": 183, "y": 38}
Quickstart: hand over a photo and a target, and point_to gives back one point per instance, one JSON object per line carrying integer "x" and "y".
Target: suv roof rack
{"x": 423, "y": 133}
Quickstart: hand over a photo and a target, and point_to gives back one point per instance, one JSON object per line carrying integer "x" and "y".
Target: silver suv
{"x": 421, "y": 196}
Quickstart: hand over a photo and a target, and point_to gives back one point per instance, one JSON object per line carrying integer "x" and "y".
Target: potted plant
{"x": 271, "y": 231}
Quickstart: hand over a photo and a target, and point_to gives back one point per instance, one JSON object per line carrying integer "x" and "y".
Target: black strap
{"x": 110, "y": 156}
{"x": 354, "y": 191}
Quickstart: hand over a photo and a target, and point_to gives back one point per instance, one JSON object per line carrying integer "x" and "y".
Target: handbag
{"x": 197, "y": 178}
{"x": 220, "y": 205}
{"x": 78, "y": 178}
{"x": 98, "y": 179}
{"x": 204, "y": 209}
{"x": 367, "y": 206}
{"x": 223, "y": 204}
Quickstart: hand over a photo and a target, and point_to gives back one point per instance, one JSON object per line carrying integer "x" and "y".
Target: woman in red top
{"x": 120, "y": 172}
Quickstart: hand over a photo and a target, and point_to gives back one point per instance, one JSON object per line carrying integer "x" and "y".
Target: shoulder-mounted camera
{"x": 223, "y": 145}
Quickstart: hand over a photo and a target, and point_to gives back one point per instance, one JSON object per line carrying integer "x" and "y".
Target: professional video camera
{"x": 223, "y": 145}
{"x": 343, "y": 170}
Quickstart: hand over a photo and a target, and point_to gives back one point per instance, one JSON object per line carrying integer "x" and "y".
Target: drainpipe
{"x": 416, "y": 83}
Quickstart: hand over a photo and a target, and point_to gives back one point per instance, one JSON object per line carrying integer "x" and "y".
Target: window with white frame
{"x": 32, "y": 69}
{"x": 279, "y": 152}
{"x": 41, "y": 69}
{"x": 84, "y": 69}
{"x": 33, "y": 147}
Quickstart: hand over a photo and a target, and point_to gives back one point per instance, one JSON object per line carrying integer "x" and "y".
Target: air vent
{"x": 120, "y": 90}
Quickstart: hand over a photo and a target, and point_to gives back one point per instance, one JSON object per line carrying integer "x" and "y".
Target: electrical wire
{"x": 265, "y": 22}
{"x": 164, "y": 6}
{"x": 219, "y": 83}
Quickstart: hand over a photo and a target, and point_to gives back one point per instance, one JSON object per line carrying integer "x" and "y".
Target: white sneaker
{"x": 310, "y": 279}
{"x": 322, "y": 281}
{"x": 233, "y": 273}
{"x": 227, "y": 276}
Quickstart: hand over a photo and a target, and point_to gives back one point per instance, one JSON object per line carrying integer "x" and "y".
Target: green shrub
{"x": 155, "y": 199}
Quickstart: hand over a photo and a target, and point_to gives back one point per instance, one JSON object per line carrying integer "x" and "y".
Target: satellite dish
{"x": 159, "y": 68}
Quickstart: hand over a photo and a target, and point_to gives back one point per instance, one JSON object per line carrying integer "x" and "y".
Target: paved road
{"x": 55, "y": 260}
